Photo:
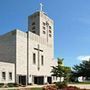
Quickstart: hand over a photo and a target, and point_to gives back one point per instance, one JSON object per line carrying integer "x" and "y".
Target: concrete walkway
{"x": 82, "y": 86}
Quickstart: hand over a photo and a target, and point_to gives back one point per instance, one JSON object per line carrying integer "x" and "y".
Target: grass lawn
{"x": 36, "y": 89}
{"x": 80, "y": 83}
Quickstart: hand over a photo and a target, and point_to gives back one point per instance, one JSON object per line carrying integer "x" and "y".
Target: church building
{"x": 27, "y": 57}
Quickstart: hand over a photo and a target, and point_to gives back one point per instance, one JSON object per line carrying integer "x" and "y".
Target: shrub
{"x": 72, "y": 88}
{"x": 50, "y": 87}
{"x": 61, "y": 85}
{"x": 12, "y": 85}
{"x": 1, "y": 84}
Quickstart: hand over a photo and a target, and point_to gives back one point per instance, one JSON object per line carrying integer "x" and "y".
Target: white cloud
{"x": 81, "y": 58}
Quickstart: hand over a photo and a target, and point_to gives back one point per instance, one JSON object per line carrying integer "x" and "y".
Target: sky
{"x": 71, "y": 20}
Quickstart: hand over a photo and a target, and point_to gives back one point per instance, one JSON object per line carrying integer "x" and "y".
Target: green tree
{"x": 82, "y": 69}
{"x": 67, "y": 72}
{"x": 60, "y": 70}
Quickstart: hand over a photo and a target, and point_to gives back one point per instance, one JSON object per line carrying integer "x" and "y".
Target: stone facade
{"x": 31, "y": 53}
{"x": 7, "y": 68}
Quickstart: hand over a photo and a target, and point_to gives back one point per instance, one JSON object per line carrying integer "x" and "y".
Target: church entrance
{"x": 22, "y": 80}
{"x": 49, "y": 80}
{"x": 39, "y": 80}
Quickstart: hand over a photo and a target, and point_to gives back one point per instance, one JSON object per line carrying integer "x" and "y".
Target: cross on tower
{"x": 39, "y": 50}
{"x": 41, "y": 6}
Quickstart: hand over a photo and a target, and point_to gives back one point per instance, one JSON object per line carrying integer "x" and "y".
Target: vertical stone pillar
{"x": 30, "y": 79}
{"x": 45, "y": 79}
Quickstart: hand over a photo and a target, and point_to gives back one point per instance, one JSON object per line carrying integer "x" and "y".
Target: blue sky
{"x": 72, "y": 24}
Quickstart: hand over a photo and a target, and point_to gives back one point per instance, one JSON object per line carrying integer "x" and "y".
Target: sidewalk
{"x": 82, "y": 86}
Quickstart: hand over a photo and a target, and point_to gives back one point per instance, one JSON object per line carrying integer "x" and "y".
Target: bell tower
{"x": 39, "y": 23}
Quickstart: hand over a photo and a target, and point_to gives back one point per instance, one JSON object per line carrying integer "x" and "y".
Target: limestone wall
{"x": 7, "y": 67}
{"x": 45, "y": 69}
{"x": 21, "y": 52}
{"x": 8, "y": 47}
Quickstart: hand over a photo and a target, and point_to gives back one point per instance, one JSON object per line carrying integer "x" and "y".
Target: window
{"x": 42, "y": 60}
{"x": 10, "y": 75}
{"x": 44, "y": 32}
{"x": 49, "y": 27}
{"x": 3, "y": 75}
{"x": 49, "y": 31}
{"x": 34, "y": 58}
{"x": 49, "y": 35}
{"x": 44, "y": 28}
{"x": 33, "y": 31}
{"x": 44, "y": 23}
{"x": 33, "y": 27}
{"x": 33, "y": 23}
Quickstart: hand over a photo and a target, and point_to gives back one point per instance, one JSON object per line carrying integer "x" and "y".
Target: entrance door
{"x": 49, "y": 79}
{"x": 22, "y": 80}
{"x": 39, "y": 80}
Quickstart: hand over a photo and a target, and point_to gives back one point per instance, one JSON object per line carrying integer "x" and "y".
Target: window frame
{"x": 50, "y": 31}
{"x": 44, "y": 32}
{"x": 44, "y": 23}
{"x": 50, "y": 27}
{"x": 4, "y": 75}
{"x": 44, "y": 28}
{"x": 42, "y": 60}
{"x": 50, "y": 35}
{"x": 10, "y": 75}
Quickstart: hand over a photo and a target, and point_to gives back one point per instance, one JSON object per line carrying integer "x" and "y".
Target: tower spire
{"x": 41, "y": 7}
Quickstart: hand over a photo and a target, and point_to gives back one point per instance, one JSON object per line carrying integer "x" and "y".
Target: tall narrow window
{"x": 42, "y": 60}
{"x": 49, "y": 31}
{"x": 44, "y": 32}
{"x": 44, "y": 23}
{"x": 34, "y": 58}
{"x": 10, "y": 75}
{"x": 44, "y": 28}
{"x": 49, "y": 35}
{"x": 49, "y": 27}
{"x": 3, "y": 75}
